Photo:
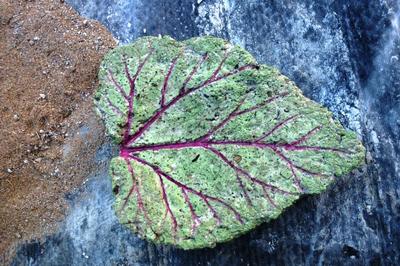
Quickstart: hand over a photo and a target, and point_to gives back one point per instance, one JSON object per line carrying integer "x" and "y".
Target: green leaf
{"x": 211, "y": 142}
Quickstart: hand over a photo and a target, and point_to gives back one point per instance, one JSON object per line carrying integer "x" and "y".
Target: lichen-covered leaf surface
{"x": 211, "y": 142}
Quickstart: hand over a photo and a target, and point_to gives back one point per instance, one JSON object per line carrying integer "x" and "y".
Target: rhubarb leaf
{"x": 211, "y": 142}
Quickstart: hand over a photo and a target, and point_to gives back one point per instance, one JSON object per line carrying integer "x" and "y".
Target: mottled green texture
{"x": 186, "y": 177}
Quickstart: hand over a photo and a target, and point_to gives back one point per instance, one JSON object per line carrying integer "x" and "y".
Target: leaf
{"x": 211, "y": 142}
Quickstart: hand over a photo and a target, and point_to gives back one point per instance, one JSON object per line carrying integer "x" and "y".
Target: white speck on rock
{"x": 374, "y": 137}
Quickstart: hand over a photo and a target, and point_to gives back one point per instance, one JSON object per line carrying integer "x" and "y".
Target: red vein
{"x": 276, "y": 127}
{"x": 270, "y": 200}
{"x": 114, "y": 107}
{"x": 214, "y": 212}
{"x": 193, "y": 72}
{"x": 246, "y": 174}
{"x": 290, "y": 147}
{"x": 167, "y": 205}
{"x": 206, "y": 198}
{"x": 296, "y": 179}
{"x": 128, "y": 74}
{"x": 195, "y": 218}
{"x": 218, "y": 69}
{"x": 132, "y": 82}
{"x": 177, "y": 98}
{"x": 223, "y": 122}
{"x": 141, "y": 204}
{"x": 199, "y": 143}
{"x": 234, "y": 72}
{"x": 166, "y": 79}
{"x": 291, "y": 164}
{"x": 116, "y": 84}
{"x": 262, "y": 104}
{"x": 246, "y": 195}
{"x": 132, "y": 189}
{"x": 239, "y": 171}
{"x": 306, "y": 136}
{"x": 135, "y": 188}
{"x": 236, "y": 113}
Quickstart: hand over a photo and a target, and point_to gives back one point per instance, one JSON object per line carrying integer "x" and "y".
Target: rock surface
{"x": 343, "y": 54}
